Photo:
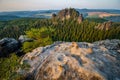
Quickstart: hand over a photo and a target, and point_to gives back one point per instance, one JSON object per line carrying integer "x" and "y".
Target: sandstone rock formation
{"x": 76, "y": 50}
{"x": 104, "y": 26}
{"x": 54, "y": 15}
{"x": 24, "y": 38}
{"x": 80, "y": 18}
{"x": 68, "y": 13}
{"x": 8, "y": 45}
{"x": 75, "y": 61}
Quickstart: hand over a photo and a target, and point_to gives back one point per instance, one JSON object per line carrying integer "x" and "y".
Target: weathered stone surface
{"x": 76, "y": 61}
{"x": 68, "y": 13}
{"x": 7, "y": 46}
{"x": 80, "y": 18}
{"x": 104, "y": 26}
{"x": 24, "y": 38}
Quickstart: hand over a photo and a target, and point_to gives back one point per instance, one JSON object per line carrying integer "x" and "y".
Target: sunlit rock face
{"x": 68, "y": 13}
{"x": 24, "y": 38}
{"x": 80, "y": 18}
{"x": 104, "y": 26}
{"x": 75, "y": 61}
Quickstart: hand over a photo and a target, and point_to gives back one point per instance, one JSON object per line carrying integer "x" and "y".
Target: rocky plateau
{"x": 74, "y": 61}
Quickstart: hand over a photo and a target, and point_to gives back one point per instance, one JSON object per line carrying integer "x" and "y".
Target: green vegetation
{"x": 67, "y": 30}
{"x": 8, "y": 68}
{"x": 42, "y": 37}
{"x": 15, "y": 28}
{"x": 97, "y": 20}
{"x": 70, "y": 30}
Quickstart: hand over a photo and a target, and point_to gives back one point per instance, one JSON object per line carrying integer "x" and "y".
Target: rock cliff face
{"x": 104, "y": 26}
{"x": 75, "y": 61}
{"x": 68, "y": 13}
{"x": 80, "y": 18}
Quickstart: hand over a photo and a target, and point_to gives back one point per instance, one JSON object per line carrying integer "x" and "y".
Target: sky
{"x": 22, "y": 5}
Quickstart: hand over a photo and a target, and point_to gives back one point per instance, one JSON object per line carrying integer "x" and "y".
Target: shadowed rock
{"x": 7, "y": 46}
{"x": 80, "y": 18}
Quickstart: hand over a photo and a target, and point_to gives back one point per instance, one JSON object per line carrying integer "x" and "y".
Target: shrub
{"x": 8, "y": 67}
{"x": 42, "y": 37}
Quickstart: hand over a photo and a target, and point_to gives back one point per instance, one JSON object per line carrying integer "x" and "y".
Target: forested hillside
{"x": 15, "y": 28}
{"x": 67, "y": 30}
{"x": 72, "y": 31}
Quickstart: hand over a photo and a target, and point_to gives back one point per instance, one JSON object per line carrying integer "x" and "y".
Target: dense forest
{"x": 17, "y": 27}
{"x": 68, "y": 30}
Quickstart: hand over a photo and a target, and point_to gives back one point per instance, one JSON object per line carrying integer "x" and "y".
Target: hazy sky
{"x": 13, "y": 5}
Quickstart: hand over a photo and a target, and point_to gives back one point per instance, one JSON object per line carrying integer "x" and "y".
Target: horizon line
{"x": 58, "y": 9}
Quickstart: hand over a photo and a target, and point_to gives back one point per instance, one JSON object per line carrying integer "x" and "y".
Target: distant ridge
{"x": 48, "y": 13}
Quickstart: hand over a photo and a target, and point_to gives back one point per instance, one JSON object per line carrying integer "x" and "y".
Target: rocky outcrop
{"x": 80, "y": 18}
{"x": 54, "y": 15}
{"x": 7, "y": 46}
{"x": 104, "y": 26}
{"x": 75, "y": 61}
{"x": 24, "y": 38}
{"x": 68, "y": 13}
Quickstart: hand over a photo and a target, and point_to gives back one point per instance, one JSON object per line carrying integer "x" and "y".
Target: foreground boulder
{"x": 7, "y": 46}
{"x": 74, "y": 61}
